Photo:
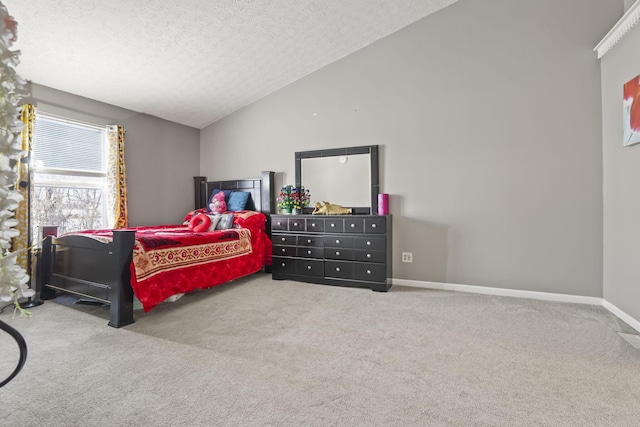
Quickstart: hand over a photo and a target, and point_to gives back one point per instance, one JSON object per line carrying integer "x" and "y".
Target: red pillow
{"x": 200, "y": 223}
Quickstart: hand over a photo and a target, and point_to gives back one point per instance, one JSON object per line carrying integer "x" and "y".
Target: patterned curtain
{"x": 23, "y": 241}
{"x": 117, "y": 178}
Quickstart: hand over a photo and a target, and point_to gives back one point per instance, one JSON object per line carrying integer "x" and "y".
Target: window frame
{"x": 50, "y": 181}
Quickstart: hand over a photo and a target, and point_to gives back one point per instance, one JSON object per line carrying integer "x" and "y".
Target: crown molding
{"x": 622, "y": 27}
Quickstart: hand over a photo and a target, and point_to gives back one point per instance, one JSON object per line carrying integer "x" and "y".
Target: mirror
{"x": 343, "y": 176}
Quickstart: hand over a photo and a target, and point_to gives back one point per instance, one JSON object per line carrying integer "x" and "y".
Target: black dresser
{"x": 342, "y": 250}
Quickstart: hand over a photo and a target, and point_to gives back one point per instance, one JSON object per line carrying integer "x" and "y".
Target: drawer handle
{"x": 337, "y": 252}
{"x": 373, "y": 226}
{"x": 333, "y": 225}
{"x": 309, "y": 252}
{"x": 338, "y": 241}
{"x": 368, "y": 255}
{"x": 368, "y": 271}
{"x": 284, "y": 239}
{"x": 284, "y": 265}
{"x": 279, "y": 223}
{"x": 284, "y": 250}
{"x": 353, "y": 226}
{"x": 295, "y": 224}
{"x": 313, "y": 224}
{"x": 308, "y": 240}
{"x": 308, "y": 267}
{"x": 337, "y": 268}
{"x": 368, "y": 243}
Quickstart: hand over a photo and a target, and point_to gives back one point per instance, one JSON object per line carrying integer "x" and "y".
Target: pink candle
{"x": 383, "y": 204}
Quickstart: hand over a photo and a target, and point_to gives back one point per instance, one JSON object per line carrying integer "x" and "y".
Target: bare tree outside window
{"x": 71, "y": 209}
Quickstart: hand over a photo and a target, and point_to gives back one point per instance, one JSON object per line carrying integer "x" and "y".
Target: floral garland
{"x": 13, "y": 278}
{"x": 293, "y": 198}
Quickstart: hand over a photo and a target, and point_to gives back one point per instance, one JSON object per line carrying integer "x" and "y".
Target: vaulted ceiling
{"x": 195, "y": 61}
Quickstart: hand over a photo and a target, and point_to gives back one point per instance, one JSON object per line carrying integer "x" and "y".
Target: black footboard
{"x": 90, "y": 269}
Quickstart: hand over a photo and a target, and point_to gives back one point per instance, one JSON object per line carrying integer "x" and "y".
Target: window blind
{"x": 60, "y": 144}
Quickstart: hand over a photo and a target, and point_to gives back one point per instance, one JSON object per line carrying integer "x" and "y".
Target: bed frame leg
{"x": 45, "y": 264}
{"x": 121, "y": 312}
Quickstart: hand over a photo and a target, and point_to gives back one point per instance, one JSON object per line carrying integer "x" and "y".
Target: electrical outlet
{"x": 407, "y": 256}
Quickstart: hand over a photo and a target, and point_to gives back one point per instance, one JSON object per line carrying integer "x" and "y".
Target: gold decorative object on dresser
{"x": 343, "y": 250}
{"x": 327, "y": 208}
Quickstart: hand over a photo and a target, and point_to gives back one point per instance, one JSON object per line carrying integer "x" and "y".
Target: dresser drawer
{"x": 310, "y": 240}
{"x": 314, "y": 225}
{"x": 296, "y": 224}
{"x": 333, "y": 225}
{"x": 369, "y": 272}
{"x": 283, "y": 265}
{"x": 370, "y": 256}
{"x": 279, "y": 223}
{"x": 338, "y": 253}
{"x": 338, "y": 241}
{"x": 340, "y": 269}
{"x": 354, "y": 225}
{"x": 306, "y": 267}
{"x": 370, "y": 243}
{"x": 310, "y": 252}
{"x": 375, "y": 225}
{"x": 284, "y": 250}
{"x": 284, "y": 240}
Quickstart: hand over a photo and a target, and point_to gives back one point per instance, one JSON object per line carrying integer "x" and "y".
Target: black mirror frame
{"x": 372, "y": 150}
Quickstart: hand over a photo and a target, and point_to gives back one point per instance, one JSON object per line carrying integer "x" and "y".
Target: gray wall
{"x": 628, "y": 4}
{"x": 621, "y": 177}
{"x": 488, "y": 116}
{"x": 161, "y": 157}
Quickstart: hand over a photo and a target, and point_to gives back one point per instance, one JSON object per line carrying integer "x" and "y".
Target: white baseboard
{"x": 634, "y": 323}
{"x": 546, "y": 296}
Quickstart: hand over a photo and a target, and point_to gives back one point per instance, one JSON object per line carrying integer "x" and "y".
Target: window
{"x": 69, "y": 181}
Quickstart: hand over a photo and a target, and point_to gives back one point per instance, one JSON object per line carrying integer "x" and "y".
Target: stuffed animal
{"x": 218, "y": 204}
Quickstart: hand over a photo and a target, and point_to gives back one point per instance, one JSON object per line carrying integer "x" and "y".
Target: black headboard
{"x": 261, "y": 189}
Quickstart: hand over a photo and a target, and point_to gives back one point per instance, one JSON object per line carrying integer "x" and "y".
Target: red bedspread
{"x": 169, "y": 260}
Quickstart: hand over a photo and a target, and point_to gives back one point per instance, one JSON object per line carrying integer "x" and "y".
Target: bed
{"x": 156, "y": 263}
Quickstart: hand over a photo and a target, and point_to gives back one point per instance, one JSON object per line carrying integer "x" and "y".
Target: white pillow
{"x": 214, "y": 221}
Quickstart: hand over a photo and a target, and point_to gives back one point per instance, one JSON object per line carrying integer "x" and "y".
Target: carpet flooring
{"x": 258, "y": 352}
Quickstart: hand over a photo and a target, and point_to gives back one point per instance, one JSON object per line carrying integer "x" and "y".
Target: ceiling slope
{"x": 195, "y": 61}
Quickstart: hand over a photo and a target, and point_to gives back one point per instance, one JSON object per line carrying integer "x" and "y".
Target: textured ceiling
{"x": 195, "y": 61}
